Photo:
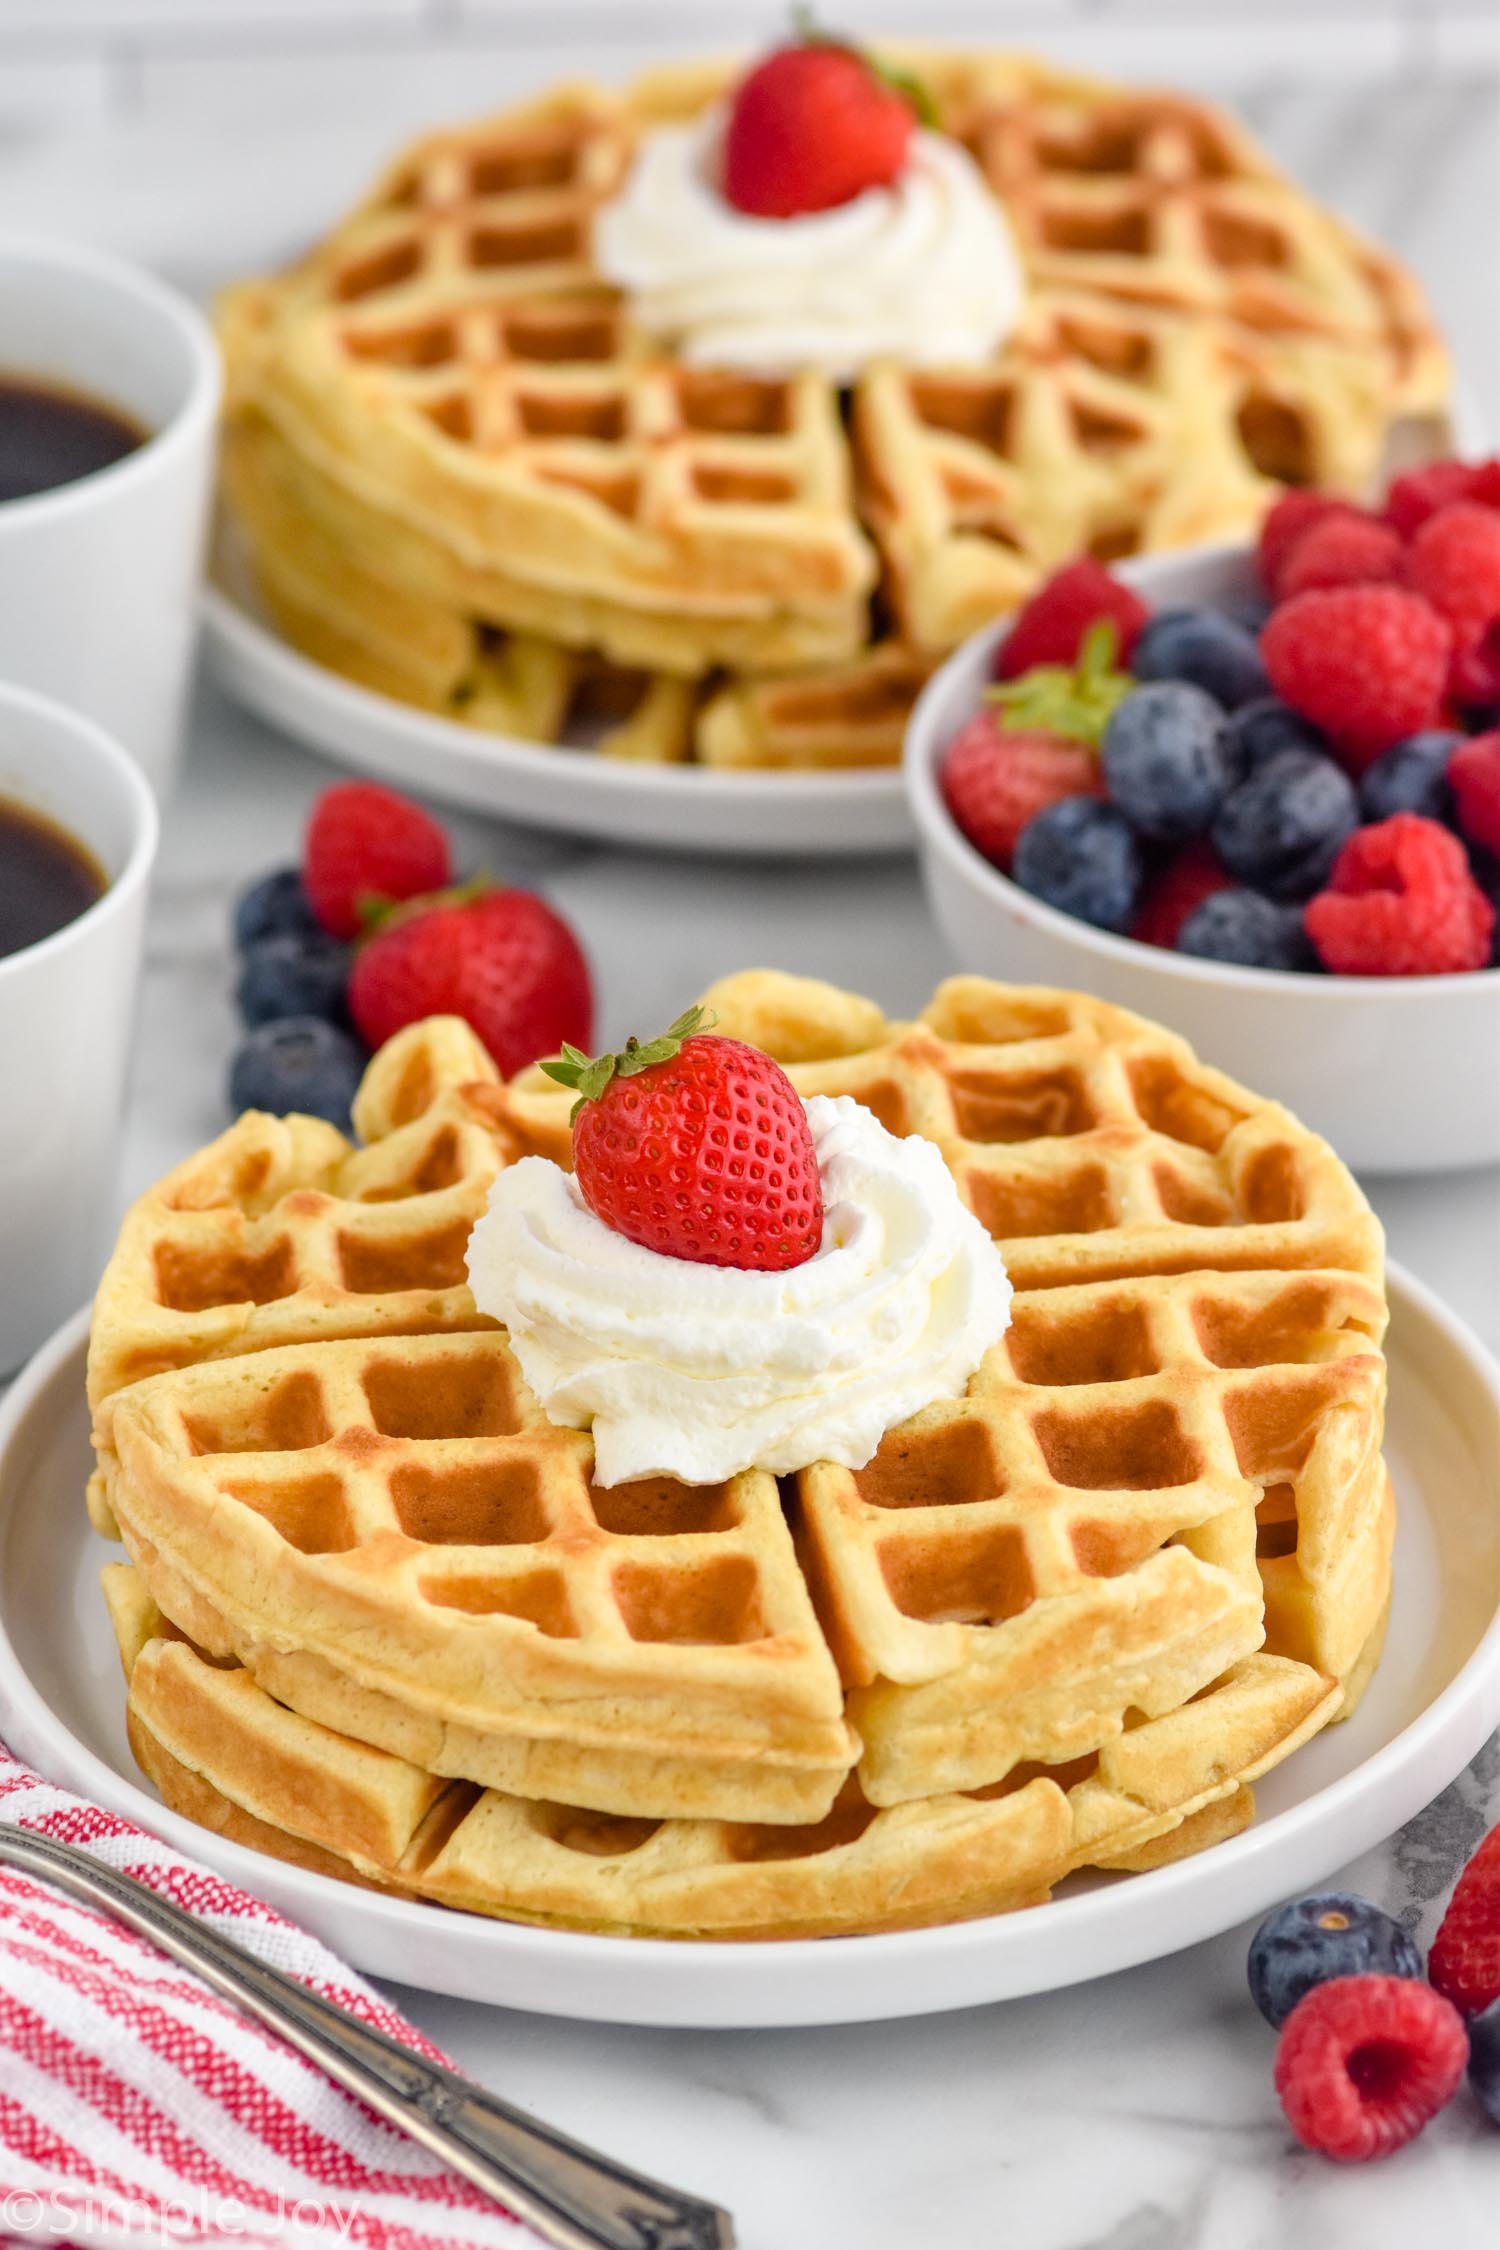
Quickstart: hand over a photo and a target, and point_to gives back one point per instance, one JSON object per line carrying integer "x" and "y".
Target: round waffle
{"x": 490, "y": 447}
{"x": 329, "y": 1472}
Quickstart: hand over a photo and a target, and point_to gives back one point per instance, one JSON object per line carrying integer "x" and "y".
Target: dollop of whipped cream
{"x": 923, "y": 270}
{"x": 697, "y": 1371}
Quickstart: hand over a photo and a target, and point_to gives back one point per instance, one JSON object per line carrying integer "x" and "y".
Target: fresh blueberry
{"x": 1163, "y": 758}
{"x": 1313, "y": 1940}
{"x": 276, "y": 906}
{"x": 1081, "y": 855}
{"x": 1206, "y": 647}
{"x": 299, "y": 1063}
{"x": 1282, "y": 829}
{"x": 1238, "y": 925}
{"x": 301, "y": 975}
{"x": 1256, "y": 731}
{"x": 1410, "y": 777}
{"x": 1484, "y": 2059}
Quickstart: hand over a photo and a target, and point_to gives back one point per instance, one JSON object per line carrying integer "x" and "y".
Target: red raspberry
{"x": 1364, "y": 2063}
{"x": 1367, "y": 664}
{"x": 1484, "y": 483}
{"x": 1178, "y": 891}
{"x": 1050, "y": 628}
{"x": 1401, "y": 902}
{"x": 1287, "y": 525}
{"x": 1341, "y": 549}
{"x": 1464, "y": 1964}
{"x": 1474, "y": 674}
{"x": 1474, "y": 777}
{"x": 996, "y": 779}
{"x": 1454, "y": 563}
{"x": 1412, "y": 498}
{"x": 364, "y": 842}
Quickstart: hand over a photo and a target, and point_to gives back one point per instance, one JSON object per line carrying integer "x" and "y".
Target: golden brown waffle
{"x": 475, "y": 410}
{"x": 224, "y": 1753}
{"x": 1171, "y": 1460}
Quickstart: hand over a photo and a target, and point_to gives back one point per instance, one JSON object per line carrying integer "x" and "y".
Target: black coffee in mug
{"x": 47, "y": 878}
{"x": 51, "y": 434}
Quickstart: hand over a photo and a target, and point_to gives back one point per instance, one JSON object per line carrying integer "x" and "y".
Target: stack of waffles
{"x": 469, "y": 480}
{"x": 379, "y": 1618}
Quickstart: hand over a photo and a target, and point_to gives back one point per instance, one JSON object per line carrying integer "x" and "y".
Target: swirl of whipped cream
{"x": 923, "y": 270}
{"x": 697, "y": 1371}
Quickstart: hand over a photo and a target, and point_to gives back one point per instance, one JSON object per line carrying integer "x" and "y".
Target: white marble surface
{"x": 1131, "y": 2115}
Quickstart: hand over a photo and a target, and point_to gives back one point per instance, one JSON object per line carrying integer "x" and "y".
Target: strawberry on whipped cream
{"x": 923, "y": 270}
{"x": 698, "y": 1371}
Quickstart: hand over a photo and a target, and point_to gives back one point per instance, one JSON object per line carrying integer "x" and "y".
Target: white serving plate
{"x": 1433, "y": 1702}
{"x": 677, "y": 808}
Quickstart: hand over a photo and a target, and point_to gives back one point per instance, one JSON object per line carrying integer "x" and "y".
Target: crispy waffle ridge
{"x": 1169, "y": 1464}
{"x": 472, "y": 416}
{"x": 224, "y": 1753}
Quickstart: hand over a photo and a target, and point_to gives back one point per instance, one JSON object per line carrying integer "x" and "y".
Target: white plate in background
{"x": 1432, "y": 1703}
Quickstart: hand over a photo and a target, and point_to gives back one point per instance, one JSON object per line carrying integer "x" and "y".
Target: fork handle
{"x": 572, "y": 2196}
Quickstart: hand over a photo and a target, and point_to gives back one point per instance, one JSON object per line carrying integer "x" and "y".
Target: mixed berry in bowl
{"x": 1309, "y": 781}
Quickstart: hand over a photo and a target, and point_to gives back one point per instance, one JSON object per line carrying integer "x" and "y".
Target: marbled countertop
{"x": 1133, "y": 2114}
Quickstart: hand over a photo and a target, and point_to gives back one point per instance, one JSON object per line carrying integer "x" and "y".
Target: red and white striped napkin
{"x": 137, "y": 2107}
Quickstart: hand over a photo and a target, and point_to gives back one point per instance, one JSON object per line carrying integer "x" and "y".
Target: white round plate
{"x": 1433, "y": 1702}
{"x": 678, "y": 808}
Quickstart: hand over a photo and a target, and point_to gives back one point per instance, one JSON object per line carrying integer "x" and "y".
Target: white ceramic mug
{"x": 99, "y": 578}
{"x": 67, "y": 1006}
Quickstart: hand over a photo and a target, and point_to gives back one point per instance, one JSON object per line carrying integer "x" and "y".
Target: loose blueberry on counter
{"x": 1163, "y": 760}
{"x": 1313, "y": 1940}
{"x": 1258, "y": 730}
{"x": 275, "y": 906}
{"x": 1411, "y": 777}
{"x": 301, "y": 974}
{"x": 1081, "y": 856}
{"x": 300, "y": 1063}
{"x": 1205, "y": 647}
{"x": 1242, "y": 926}
{"x": 1282, "y": 829}
{"x": 1484, "y": 2059}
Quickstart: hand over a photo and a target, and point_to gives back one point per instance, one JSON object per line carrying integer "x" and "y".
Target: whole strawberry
{"x": 996, "y": 778}
{"x": 367, "y": 847}
{"x": 813, "y": 126}
{"x": 696, "y": 1147}
{"x": 504, "y": 961}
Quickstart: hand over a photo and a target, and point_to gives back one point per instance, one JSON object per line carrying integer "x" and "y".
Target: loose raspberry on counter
{"x": 1287, "y": 523}
{"x": 1454, "y": 563}
{"x": 1473, "y": 774}
{"x": 1401, "y": 902}
{"x": 1412, "y": 498}
{"x": 1365, "y": 2062}
{"x": 1367, "y": 664}
{"x": 1343, "y": 548}
{"x": 1464, "y": 1964}
{"x": 1052, "y": 626}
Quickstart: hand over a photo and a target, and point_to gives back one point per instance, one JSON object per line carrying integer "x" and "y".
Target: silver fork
{"x": 573, "y": 2197}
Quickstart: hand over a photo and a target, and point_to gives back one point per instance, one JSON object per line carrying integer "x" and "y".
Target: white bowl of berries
{"x": 1254, "y": 793}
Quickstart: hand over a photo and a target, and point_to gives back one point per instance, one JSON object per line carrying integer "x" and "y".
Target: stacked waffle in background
{"x": 470, "y": 479}
{"x": 380, "y": 1618}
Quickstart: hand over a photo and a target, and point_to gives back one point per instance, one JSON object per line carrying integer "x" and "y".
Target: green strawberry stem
{"x": 1077, "y": 700}
{"x": 810, "y": 33}
{"x": 377, "y": 912}
{"x": 589, "y": 1075}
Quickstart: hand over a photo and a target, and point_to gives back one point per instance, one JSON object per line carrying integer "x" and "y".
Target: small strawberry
{"x": 1464, "y": 1964}
{"x": 696, "y": 1147}
{"x": 813, "y": 126}
{"x": 995, "y": 780}
{"x": 365, "y": 845}
{"x": 503, "y": 960}
{"x": 1051, "y": 627}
